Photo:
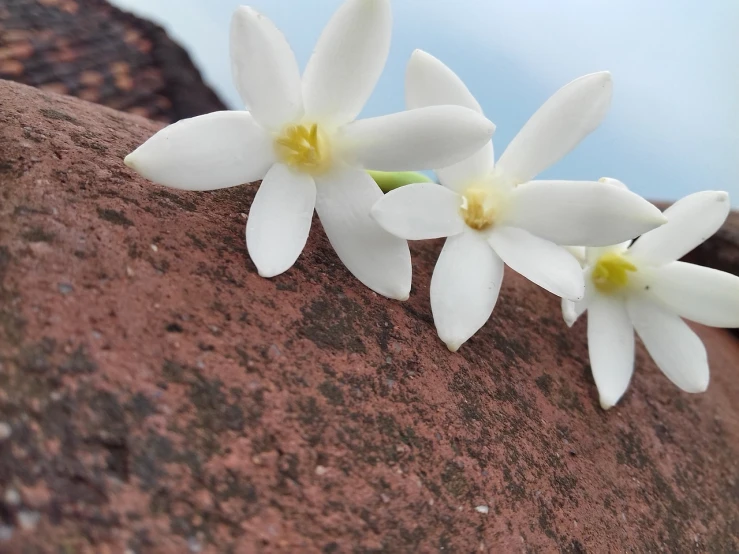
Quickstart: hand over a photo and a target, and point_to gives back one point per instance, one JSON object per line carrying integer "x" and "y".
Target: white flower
{"x": 642, "y": 287}
{"x": 301, "y": 138}
{"x": 496, "y": 214}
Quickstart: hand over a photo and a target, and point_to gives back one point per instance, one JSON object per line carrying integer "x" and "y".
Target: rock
{"x": 720, "y": 252}
{"x": 89, "y": 49}
{"x": 171, "y": 400}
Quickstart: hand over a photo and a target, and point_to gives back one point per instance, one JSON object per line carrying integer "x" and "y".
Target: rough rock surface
{"x": 157, "y": 396}
{"x": 92, "y": 50}
{"x": 722, "y": 251}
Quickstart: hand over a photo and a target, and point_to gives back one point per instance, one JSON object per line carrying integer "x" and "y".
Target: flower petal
{"x": 557, "y": 127}
{"x": 584, "y": 213}
{"x": 674, "y": 347}
{"x": 540, "y": 261}
{"x": 208, "y": 152}
{"x": 698, "y": 293}
{"x": 375, "y": 257}
{"x": 347, "y": 61}
{"x": 611, "y": 347}
{"x": 613, "y": 182}
{"x": 264, "y": 69}
{"x": 593, "y": 254}
{"x": 428, "y": 82}
{"x": 580, "y": 253}
{"x": 464, "y": 287}
{"x": 420, "y": 211}
{"x": 424, "y": 138}
{"x": 279, "y": 220}
{"x": 690, "y": 221}
{"x": 572, "y": 310}
{"x": 469, "y": 171}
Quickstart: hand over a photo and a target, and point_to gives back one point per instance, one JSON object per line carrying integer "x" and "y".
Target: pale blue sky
{"x": 674, "y": 125}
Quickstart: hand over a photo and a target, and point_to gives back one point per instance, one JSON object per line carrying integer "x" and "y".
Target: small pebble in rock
{"x": 194, "y": 545}
{"x": 6, "y": 533}
{"x": 12, "y": 497}
{"x": 65, "y": 288}
{"x": 321, "y": 470}
{"x": 482, "y": 509}
{"x": 155, "y": 248}
{"x": 28, "y": 520}
{"x": 5, "y": 431}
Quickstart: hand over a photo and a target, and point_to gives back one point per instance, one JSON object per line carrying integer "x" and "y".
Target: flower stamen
{"x": 477, "y": 208}
{"x": 610, "y": 272}
{"x": 303, "y": 148}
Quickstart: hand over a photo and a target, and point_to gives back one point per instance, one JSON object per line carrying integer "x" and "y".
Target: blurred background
{"x": 673, "y": 128}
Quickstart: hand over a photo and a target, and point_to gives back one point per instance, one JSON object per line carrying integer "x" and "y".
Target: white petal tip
{"x": 569, "y": 317}
{"x": 395, "y": 294}
{"x": 453, "y": 346}
{"x": 606, "y": 404}
{"x": 722, "y": 196}
{"x": 489, "y": 127}
{"x": 603, "y": 77}
{"x": 269, "y": 273}
{"x": 245, "y": 11}
{"x": 367, "y": 5}
{"x": 128, "y": 160}
{"x": 614, "y": 182}
{"x": 654, "y": 217}
{"x": 419, "y": 57}
{"x": 376, "y": 3}
{"x": 696, "y": 388}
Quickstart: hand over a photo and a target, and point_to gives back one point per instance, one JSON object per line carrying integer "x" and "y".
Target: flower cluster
{"x": 301, "y": 138}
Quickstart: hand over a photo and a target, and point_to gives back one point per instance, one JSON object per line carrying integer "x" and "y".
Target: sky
{"x": 673, "y": 128}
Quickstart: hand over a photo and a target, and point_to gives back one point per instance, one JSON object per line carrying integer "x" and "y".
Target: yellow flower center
{"x": 304, "y": 148}
{"x": 478, "y": 208}
{"x": 610, "y": 272}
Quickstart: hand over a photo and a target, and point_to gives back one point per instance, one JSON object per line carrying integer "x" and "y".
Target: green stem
{"x": 391, "y": 180}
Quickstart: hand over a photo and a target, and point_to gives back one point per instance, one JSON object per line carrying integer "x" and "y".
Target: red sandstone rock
{"x": 163, "y": 398}
{"x": 721, "y": 251}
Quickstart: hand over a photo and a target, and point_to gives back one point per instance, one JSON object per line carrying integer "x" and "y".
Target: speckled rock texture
{"x": 92, "y": 50}
{"x": 157, "y": 396}
{"x": 722, "y": 251}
